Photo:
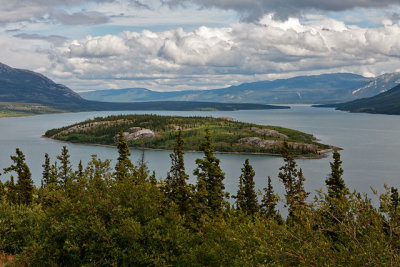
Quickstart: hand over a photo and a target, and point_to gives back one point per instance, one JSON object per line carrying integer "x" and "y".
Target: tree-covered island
{"x": 157, "y": 132}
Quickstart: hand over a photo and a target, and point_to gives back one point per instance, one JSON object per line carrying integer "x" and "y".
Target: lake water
{"x": 371, "y": 146}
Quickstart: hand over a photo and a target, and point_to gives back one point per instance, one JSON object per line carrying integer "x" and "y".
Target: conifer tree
{"x": 2, "y": 191}
{"x": 293, "y": 180}
{"x": 24, "y": 187}
{"x": 153, "y": 178}
{"x": 240, "y": 198}
{"x": 335, "y": 183}
{"x": 176, "y": 188}
{"x": 11, "y": 194}
{"x": 46, "y": 170}
{"x": 269, "y": 201}
{"x": 124, "y": 165}
{"x": 53, "y": 178}
{"x": 210, "y": 177}
{"x": 247, "y": 198}
{"x": 79, "y": 173}
{"x": 65, "y": 168}
{"x": 142, "y": 171}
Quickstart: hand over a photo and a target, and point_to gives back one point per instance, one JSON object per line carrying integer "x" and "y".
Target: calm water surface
{"x": 371, "y": 145}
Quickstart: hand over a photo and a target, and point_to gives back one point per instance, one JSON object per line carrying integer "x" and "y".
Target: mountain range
{"x": 25, "y": 86}
{"x": 325, "y": 88}
{"x": 385, "y": 103}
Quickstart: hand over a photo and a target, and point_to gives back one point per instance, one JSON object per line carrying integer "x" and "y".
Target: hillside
{"x": 384, "y": 103}
{"x": 17, "y": 85}
{"x": 378, "y": 85}
{"x": 33, "y": 93}
{"x": 326, "y": 88}
{"x": 158, "y": 132}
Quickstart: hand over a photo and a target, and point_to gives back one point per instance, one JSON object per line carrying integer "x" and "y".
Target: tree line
{"x": 123, "y": 215}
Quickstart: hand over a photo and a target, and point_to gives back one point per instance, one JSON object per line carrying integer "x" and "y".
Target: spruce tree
{"x": 142, "y": 171}
{"x": 46, "y": 170}
{"x": 269, "y": 201}
{"x": 335, "y": 183}
{"x": 247, "y": 198}
{"x": 293, "y": 180}
{"x": 124, "y": 165}
{"x": 210, "y": 177}
{"x": 53, "y": 178}
{"x": 11, "y": 194}
{"x": 240, "y": 198}
{"x": 65, "y": 168}
{"x": 79, "y": 173}
{"x": 24, "y": 187}
{"x": 176, "y": 188}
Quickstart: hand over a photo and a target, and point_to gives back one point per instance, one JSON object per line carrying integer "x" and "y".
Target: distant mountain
{"x": 18, "y": 85}
{"x": 378, "y": 85}
{"x": 24, "y": 86}
{"x": 325, "y": 88}
{"x": 384, "y": 103}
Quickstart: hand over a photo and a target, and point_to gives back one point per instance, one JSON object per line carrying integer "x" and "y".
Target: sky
{"x": 170, "y": 45}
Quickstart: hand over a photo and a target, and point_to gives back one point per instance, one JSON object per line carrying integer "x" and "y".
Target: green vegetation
{"x": 228, "y": 135}
{"x": 14, "y": 109}
{"x": 95, "y": 216}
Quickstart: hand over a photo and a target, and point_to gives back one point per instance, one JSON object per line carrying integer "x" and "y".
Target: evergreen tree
{"x": 2, "y": 191}
{"x": 293, "y": 180}
{"x": 153, "y": 178}
{"x": 210, "y": 177}
{"x": 335, "y": 183}
{"x": 46, "y": 170}
{"x": 124, "y": 165}
{"x": 24, "y": 187}
{"x": 176, "y": 188}
{"x": 269, "y": 201}
{"x": 53, "y": 178}
{"x": 79, "y": 173}
{"x": 143, "y": 171}
{"x": 65, "y": 169}
{"x": 247, "y": 198}
{"x": 11, "y": 194}
{"x": 240, "y": 198}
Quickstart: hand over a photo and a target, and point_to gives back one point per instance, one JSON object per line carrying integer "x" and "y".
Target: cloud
{"x": 210, "y": 57}
{"x": 38, "y": 10}
{"x": 79, "y": 18}
{"x": 98, "y": 47}
{"x": 254, "y": 9}
{"x": 54, "y": 39}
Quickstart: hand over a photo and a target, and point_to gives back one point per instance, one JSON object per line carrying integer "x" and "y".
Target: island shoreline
{"x": 321, "y": 154}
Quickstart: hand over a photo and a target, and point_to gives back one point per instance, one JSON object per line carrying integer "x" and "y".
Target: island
{"x": 158, "y": 132}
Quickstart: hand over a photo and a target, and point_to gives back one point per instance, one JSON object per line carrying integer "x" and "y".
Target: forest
{"x": 228, "y": 135}
{"x": 122, "y": 215}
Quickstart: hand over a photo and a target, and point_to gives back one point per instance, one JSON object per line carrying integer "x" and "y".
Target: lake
{"x": 371, "y": 146}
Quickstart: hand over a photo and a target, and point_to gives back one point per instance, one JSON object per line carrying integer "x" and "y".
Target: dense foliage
{"x": 105, "y": 216}
{"x": 227, "y": 134}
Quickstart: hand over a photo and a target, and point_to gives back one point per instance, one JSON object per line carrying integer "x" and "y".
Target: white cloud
{"x": 211, "y": 57}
